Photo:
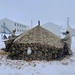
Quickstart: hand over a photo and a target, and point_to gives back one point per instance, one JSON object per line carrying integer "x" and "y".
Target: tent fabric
{"x": 39, "y": 35}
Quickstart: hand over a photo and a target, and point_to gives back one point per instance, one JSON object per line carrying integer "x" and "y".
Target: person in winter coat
{"x": 67, "y": 42}
{"x": 13, "y": 33}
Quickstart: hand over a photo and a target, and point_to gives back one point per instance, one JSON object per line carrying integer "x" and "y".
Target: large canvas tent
{"x": 44, "y": 45}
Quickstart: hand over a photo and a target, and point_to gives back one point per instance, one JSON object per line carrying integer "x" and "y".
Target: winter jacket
{"x": 68, "y": 39}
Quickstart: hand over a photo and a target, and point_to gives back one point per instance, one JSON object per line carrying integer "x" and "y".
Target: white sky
{"x": 24, "y": 11}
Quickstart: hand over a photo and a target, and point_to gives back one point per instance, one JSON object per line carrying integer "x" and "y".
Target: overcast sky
{"x": 24, "y": 11}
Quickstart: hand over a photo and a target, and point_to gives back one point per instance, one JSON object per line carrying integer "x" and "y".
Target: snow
{"x": 20, "y": 67}
{"x": 64, "y": 67}
{"x": 2, "y": 45}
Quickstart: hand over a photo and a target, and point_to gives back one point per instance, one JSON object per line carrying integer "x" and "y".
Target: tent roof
{"x": 39, "y": 35}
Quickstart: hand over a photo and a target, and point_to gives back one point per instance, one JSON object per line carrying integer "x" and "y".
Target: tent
{"x": 43, "y": 45}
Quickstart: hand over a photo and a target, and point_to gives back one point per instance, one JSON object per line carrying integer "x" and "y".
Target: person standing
{"x": 13, "y": 33}
{"x": 67, "y": 42}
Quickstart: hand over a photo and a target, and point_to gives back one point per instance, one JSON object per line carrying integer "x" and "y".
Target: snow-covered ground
{"x": 20, "y": 67}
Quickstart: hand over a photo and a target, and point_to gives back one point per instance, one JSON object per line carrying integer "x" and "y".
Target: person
{"x": 67, "y": 43}
{"x": 13, "y": 33}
